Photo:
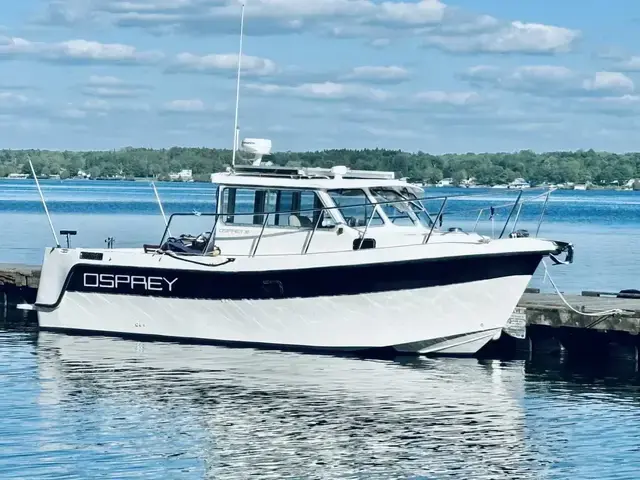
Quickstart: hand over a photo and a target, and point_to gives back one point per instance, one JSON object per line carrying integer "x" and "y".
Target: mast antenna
{"x": 235, "y": 125}
{"x": 44, "y": 203}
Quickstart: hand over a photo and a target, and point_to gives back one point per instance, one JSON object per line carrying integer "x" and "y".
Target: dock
{"x": 552, "y": 327}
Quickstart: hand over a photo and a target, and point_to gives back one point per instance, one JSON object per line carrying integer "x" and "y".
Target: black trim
{"x": 300, "y": 283}
{"x": 91, "y": 256}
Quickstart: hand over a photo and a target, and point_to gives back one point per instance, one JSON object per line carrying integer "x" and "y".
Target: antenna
{"x": 44, "y": 204}
{"x": 166, "y": 224}
{"x": 235, "y": 125}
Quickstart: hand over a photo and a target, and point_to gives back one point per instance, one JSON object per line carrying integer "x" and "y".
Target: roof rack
{"x": 311, "y": 172}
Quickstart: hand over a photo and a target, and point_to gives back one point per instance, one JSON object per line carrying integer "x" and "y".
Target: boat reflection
{"x": 241, "y": 412}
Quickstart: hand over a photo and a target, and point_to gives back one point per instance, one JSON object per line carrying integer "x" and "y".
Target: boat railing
{"x": 514, "y": 207}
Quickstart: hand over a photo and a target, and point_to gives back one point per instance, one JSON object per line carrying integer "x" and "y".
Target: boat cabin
{"x": 267, "y": 210}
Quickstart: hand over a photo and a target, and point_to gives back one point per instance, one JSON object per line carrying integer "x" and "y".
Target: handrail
{"x": 434, "y": 223}
{"x": 376, "y": 205}
{"x": 510, "y": 213}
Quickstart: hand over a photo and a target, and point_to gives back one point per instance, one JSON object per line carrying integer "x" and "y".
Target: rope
{"x": 613, "y": 311}
{"x": 183, "y": 259}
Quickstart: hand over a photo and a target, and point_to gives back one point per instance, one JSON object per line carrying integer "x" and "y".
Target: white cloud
{"x": 323, "y": 91}
{"x": 609, "y": 82}
{"x": 378, "y": 74}
{"x": 380, "y": 42}
{"x": 457, "y": 99}
{"x": 112, "y": 87}
{"x": 391, "y": 132}
{"x": 550, "y": 81}
{"x": 516, "y": 37}
{"x": 631, "y": 64}
{"x": 449, "y": 28}
{"x": 75, "y": 51}
{"x": 194, "y": 105}
{"x": 622, "y": 105}
{"x": 267, "y": 15}
{"x": 223, "y": 63}
{"x": 11, "y": 101}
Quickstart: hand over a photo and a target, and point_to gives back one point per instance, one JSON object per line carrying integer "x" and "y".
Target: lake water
{"x": 91, "y": 407}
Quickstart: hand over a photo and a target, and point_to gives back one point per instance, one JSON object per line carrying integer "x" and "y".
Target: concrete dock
{"x": 551, "y": 326}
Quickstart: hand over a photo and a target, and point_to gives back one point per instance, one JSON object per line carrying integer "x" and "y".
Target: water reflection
{"x": 234, "y": 413}
{"x": 86, "y": 407}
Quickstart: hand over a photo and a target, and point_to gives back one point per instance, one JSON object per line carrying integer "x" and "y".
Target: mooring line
{"x": 613, "y": 311}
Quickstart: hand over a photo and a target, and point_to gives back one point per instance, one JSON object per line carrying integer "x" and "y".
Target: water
{"x": 604, "y": 226}
{"x": 93, "y": 407}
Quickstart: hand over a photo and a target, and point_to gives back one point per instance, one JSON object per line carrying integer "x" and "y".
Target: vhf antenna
{"x": 235, "y": 125}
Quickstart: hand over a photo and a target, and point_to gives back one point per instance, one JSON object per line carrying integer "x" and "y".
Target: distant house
{"x": 445, "y": 182}
{"x": 519, "y": 183}
{"x": 18, "y": 176}
{"x": 182, "y": 176}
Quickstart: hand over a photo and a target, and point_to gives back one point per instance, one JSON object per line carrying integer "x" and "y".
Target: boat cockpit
{"x": 276, "y": 210}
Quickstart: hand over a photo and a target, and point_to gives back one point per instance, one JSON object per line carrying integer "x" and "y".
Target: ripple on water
{"x": 77, "y": 407}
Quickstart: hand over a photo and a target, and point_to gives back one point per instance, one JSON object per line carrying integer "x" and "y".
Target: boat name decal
{"x": 107, "y": 280}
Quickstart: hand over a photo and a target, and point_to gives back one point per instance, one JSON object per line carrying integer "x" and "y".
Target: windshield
{"x": 401, "y": 213}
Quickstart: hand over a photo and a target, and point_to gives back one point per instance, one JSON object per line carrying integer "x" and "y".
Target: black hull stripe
{"x": 301, "y": 283}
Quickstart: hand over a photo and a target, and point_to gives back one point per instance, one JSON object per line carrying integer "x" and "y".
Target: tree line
{"x": 600, "y": 168}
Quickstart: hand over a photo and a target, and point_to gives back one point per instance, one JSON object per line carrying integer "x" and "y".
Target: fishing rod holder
{"x": 68, "y": 233}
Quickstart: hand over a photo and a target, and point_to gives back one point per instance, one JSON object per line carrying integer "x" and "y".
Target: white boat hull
{"x": 437, "y": 299}
{"x": 455, "y": 319}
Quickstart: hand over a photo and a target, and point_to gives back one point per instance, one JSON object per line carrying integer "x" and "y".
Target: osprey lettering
{"x": 132, "y": 282}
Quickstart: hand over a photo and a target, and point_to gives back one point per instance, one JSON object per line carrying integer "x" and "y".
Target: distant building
{"x": 182, "y": 176}
{"x": 519, "y": 183}
{"x": 18, "y": 176}
{"x": 445, "y": 182}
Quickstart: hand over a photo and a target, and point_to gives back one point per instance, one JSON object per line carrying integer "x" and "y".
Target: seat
{"x": 300, "y": 221}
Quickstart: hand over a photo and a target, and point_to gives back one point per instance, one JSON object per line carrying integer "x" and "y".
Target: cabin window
{"x": 355, "y": 207}
{"x": 286, "y": 208}
{"x": 399, "y": 213}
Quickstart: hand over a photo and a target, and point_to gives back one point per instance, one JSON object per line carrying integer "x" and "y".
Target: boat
{"x": 322, "y": 259}
{"x": 325, "y": 259}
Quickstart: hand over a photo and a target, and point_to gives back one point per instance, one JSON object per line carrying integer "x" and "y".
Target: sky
{"x": 429, "y": 75}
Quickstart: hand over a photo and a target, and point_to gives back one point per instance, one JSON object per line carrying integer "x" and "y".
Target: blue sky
{"x": 430, "y": 75}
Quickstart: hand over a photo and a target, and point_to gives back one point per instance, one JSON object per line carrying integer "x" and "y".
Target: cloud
{"x": 75, "y": 52}
{"x": 391, "y": 132}
{"x": 377, "y": 74}
{"x": 514, "y": 38}
{"x": 380, "y": 42}
{"x": 630, "y": 64}
{"x": 13, "y": 100}
{"x": 190, "y": 106}
{"x": 194, "y": 105}
{"x": 323, "y": 91}
{"x": 225, "y": 64}
{"x": 550, "y": 81}
{"x": 624, "y": 105}
{"x": 442, "y": 26}
{"x": 456, "y": 99}
{"x": 112, "y": 87}
{"x": 263, "y": 16}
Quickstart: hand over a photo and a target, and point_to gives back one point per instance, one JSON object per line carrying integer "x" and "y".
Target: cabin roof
{"x": 315, "y": 183}
{"x": 315, "y": 178}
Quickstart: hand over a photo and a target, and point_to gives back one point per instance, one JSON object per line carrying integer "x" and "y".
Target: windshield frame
{"x": 411, "y": 208}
